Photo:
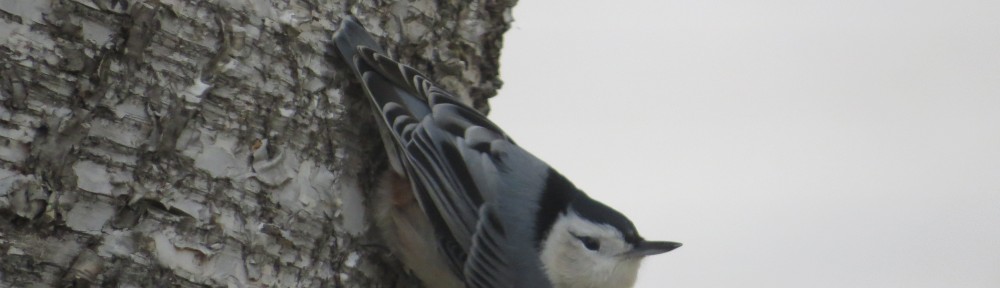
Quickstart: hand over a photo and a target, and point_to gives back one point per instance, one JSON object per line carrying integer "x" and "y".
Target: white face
{"x": 581, "y": 254}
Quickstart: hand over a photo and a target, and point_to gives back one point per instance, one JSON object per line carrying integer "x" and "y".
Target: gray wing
{"x": 455, "y": 160}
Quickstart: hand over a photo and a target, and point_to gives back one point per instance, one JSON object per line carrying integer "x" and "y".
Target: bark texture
{"x": 187, "y": 143}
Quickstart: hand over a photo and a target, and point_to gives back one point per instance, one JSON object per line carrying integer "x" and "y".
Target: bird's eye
{"x": 589, "y": 242}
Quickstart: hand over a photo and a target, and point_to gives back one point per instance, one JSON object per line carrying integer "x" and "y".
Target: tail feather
{"x": 399, "y": 96}
{"x": 351, "y": 41}
{"x": 349, "y": 37}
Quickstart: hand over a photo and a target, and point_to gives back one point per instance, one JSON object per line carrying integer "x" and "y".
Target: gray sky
{"x": 786, "y": 143}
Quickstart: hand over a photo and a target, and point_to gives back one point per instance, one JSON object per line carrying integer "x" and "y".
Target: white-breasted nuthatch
{"x": 463, "y": 206}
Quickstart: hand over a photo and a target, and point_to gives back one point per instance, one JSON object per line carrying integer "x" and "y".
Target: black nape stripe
{"x": 560, "y": 195}
{"x": 597, "y": 212}
{"x": 555, "y": 200}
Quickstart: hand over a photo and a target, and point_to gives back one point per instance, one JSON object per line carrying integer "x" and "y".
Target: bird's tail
{"x": 395, "y": 101}
{"x": 349, "y": 37}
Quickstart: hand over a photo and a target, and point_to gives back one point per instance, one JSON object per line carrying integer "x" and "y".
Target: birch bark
{"x": 186, "y": 143}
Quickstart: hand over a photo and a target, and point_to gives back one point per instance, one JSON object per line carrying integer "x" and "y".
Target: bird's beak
{"x": 647, "y": 248}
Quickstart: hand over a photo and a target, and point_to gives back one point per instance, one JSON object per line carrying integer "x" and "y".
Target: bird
{"x": 463, "y": 206}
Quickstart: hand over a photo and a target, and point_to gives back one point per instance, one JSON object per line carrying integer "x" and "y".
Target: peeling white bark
{"x": 183, "y": 143}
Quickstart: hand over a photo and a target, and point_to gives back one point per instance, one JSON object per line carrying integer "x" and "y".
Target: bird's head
{"x": 592, "y": 245}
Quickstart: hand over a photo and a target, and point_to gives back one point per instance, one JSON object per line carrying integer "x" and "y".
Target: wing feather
{"x": 450, "y": 153}
{"x": 486, "y": 266}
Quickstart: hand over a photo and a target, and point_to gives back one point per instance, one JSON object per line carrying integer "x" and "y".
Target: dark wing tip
{"x": 350, "y": 36}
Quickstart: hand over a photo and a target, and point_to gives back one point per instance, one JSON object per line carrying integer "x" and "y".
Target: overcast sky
{"x": 786, "y": 143}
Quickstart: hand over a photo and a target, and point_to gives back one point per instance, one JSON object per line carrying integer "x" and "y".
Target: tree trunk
{"x": 181, "y": 143}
